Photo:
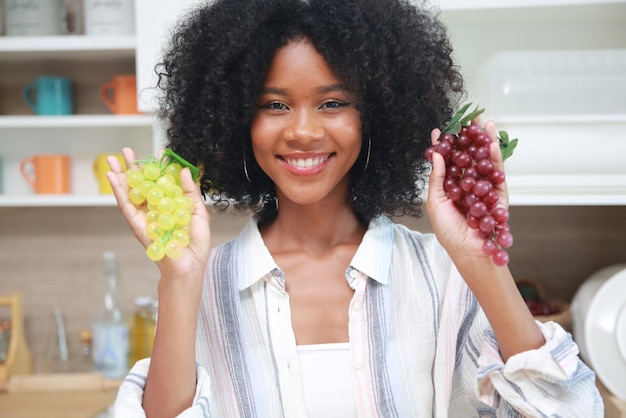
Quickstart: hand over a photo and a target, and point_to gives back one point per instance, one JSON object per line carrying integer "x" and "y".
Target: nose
{"x": 304, "y": 126}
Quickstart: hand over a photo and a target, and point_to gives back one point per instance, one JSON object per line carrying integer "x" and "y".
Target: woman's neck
{"x": 312, "y": 228}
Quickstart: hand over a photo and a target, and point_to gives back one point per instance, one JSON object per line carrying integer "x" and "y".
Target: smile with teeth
{"x": 306, "y": 163}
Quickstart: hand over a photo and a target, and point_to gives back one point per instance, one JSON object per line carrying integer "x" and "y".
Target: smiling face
{"x": 306, "y": 133}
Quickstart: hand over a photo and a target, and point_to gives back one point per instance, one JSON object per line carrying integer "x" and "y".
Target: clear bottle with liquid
{"x": 110, "y": 339}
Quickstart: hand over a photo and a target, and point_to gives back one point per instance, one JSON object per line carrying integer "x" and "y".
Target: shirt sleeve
{"x": 128, "y": 402}
{"x": 550, "y": 381}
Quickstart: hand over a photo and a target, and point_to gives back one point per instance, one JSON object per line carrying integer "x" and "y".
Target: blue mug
{"x": 50, "y": 95}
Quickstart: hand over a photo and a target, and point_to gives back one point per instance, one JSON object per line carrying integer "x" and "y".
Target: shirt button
{"x": 354, "y": 273}
{"x": 357, "y": 363}
{"x": 356, "y": 306}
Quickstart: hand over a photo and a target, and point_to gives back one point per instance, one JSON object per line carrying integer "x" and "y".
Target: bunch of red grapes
{"x": 471, "y": 180}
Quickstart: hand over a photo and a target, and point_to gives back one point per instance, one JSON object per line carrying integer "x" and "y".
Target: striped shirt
{"x": 420, "y": 344}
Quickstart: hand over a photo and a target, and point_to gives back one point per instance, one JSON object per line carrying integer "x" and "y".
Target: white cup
{"x": 39, "y": 17}
{"x": 109, "y": 17}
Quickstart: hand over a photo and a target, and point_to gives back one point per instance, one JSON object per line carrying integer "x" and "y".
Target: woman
{"x": 314, "y": 116}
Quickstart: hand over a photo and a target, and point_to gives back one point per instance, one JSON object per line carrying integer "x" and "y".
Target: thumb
{"x": 189, "y": 186}
{"x": 437, "y": 175}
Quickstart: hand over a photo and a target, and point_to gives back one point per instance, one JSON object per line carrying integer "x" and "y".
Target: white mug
{"x": 109, "y": 17}
{"x": 39, "y": 17}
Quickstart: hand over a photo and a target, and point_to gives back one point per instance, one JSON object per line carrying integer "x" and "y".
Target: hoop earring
{"x": 245, "y": 168}
{"x": 369, "y": 150}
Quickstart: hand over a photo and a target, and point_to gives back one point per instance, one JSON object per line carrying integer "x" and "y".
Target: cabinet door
{"x": 154, "y": 19}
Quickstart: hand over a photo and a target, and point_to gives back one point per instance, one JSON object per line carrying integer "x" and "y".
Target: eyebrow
{"x": 319, "y": 90}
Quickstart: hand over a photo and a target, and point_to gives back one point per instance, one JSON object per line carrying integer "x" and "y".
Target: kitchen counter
{"x": 96, "y": 404}
{"x": 76, "y": 395}
{"x": 613, "y": 407}
{"x": 56, "y": 405}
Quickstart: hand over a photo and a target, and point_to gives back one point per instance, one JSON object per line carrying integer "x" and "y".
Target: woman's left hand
{"x": 493, "y": 286}
{"x": 448, "y": 223}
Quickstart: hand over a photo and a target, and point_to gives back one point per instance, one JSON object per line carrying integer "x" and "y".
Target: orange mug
{"x": 120, "y": 94}
{"x": 100, "y": 169}
{"x": 47, "y": 174}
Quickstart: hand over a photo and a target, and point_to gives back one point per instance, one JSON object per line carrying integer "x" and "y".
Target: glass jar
{"x": 143, "y": 328}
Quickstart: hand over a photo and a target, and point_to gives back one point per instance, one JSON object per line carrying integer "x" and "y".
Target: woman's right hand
{"x": 195, "y": 256}
{"x": 179, "y": 293}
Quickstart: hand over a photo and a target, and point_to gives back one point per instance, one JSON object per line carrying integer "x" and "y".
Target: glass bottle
{"x": 56, "y": 358}
{"x": 110, "y": 343}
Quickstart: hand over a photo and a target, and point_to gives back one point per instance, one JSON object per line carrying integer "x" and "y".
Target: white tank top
{"x": 327, "y": 380}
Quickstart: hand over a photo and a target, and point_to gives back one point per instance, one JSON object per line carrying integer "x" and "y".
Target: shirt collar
{"x": 256, "y": 260}
{"x": 373, "y": 257}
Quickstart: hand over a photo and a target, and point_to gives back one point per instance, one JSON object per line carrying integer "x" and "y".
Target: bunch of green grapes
{"x": 155, "y": 188}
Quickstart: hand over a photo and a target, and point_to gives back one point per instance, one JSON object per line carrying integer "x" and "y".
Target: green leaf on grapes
{"x": 180, "y": 160}
{"x": 454, "y": 126}
{"x": 471, "y": 116}
{"x": 507, "y": 146}
{"x": 460, "y": 119}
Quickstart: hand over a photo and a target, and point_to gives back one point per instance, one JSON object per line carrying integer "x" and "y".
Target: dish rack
{"x": 19, "y": 359}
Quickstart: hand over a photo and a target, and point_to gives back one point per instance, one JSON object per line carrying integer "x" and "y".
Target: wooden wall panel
{"x": 52, "y": 256}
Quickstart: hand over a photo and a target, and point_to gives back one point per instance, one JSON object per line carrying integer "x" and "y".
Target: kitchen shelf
{"x": 493, "y": 24}
{"x": 14, "y": 48}
{"x": 499, "y": 4}
{"x": 555, "y": 163}
{"x": 567, "y": 190}
{"x": 75, "y": 121}
{"x": 81, "y": 135}
{"x": 551, "y": 193}
{"x": 89, "y": 60}
{"x": 56, "y": 201}
{"x": 74, "y": 200}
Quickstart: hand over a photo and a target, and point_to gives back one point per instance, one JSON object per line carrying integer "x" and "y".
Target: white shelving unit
{"x": 499, "y": 4}
{"x": 89, "y": 61}
{"x": 74, "y": 121}
{"x": 479, "y": 29}
{"x": 57, "y": 200}
{"x": 71, "y": 46}
{"x": 562, "y": 159}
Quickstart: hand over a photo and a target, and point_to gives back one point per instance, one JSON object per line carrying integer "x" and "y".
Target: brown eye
{"x": 274, "y": 106}
{"x": 334, "y": 104}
